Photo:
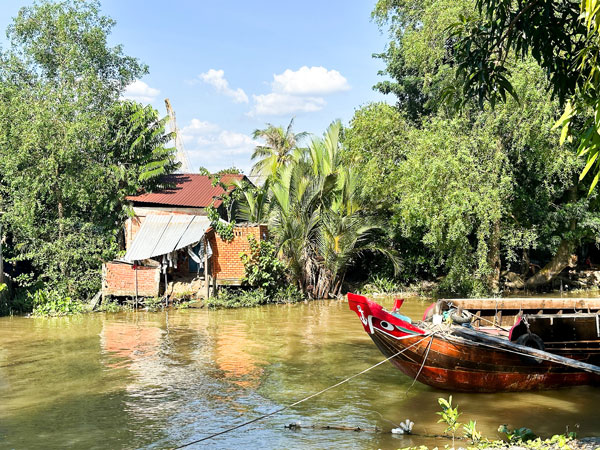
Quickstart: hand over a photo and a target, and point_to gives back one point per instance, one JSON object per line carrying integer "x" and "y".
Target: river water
{"x": 159, "y": 380}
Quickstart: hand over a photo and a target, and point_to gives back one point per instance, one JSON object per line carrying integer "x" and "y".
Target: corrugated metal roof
{"x": 164, "y": 234}
{"x": 187, "y": 189}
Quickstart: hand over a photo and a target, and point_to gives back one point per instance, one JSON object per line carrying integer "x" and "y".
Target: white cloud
{"x": 140, "y": 92}
{"x": 236, "y": 143}
{"x": 281, "y": 104}
{"x": 216, "y": 78}
{"x": 299, "y": 90}
{"x": 214, "y": 148}
{"x": 310, "y": 81}
{"x": 197, "y": 127}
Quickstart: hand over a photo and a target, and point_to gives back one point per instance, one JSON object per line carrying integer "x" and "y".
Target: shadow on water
{"x": 156, "y": 380}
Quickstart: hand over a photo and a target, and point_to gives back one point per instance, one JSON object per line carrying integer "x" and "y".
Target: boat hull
{"x": 458, "y": 366}
{"x": 464, "y": 360}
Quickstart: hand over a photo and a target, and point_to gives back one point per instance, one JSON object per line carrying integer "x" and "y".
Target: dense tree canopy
{"x": 563, "y": 36}
{"x": 482, "y": 190}
{"x": 69, "y": 149}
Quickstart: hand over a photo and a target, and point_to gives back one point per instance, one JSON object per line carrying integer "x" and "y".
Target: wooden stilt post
{"x": 136, "y": 286}
{"x": 206, "y": 281}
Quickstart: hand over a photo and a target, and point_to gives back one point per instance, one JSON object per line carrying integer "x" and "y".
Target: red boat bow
{"x": 373, "y": 316}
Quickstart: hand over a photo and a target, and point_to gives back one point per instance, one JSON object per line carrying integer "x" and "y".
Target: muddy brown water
{"x": 158, "y": 380}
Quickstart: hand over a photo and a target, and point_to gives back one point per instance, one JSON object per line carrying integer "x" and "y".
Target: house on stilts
{"x": 171, "y": 247}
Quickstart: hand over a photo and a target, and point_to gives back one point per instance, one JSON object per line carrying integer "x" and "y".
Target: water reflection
{"x": 156, "y": 380}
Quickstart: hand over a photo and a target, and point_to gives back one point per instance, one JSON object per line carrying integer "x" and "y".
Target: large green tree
{"x": 481, "y": 189}
{"x": 563, "y": 36}
{"x": 69, "y": 149}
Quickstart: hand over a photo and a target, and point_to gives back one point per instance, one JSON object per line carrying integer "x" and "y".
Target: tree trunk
{"x": 494, "y": 258}
{"x": 563, "y": 257}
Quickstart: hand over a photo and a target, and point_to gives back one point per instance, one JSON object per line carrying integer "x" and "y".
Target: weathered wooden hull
{"x": 464, "y": 360}
{"x": 454, "y": 364}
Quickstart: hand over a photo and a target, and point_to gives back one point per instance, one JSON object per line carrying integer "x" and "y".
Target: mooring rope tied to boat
{"x": 422, "y": 364}
{"x": 277, "y": 411}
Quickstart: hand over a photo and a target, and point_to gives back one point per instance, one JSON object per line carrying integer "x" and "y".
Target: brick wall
{"x": 118, "y": 279}
{"x": 226, "y": 262}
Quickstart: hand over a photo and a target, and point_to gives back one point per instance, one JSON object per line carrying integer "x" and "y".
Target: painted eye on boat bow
{"x": 386, "y": 325}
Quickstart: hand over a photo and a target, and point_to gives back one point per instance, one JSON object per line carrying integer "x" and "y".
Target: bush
{"x": 381, "y": 285}
{"x": 263, "y": 270}
{"x": 112, "y": 306}
{"x": 239, "y": 298}
{"x": 51, "y": 303}
{"x": 153, "y": 303}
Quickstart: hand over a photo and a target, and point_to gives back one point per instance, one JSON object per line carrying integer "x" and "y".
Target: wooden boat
{"x": 486, "y": 359}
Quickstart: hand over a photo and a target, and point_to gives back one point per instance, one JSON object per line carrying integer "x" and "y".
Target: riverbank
{"x": 555, "y": 443}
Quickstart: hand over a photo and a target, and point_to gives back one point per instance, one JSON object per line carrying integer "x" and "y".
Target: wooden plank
{"x": 535, "y": 303}
{"x": 499, "y": 343}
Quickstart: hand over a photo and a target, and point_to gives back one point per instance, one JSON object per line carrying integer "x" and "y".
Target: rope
{"x": 277, "y": 411}
{"x": 422, "y": 364}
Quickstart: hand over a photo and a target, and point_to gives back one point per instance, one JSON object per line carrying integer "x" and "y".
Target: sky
{"x": 232, "y": 67}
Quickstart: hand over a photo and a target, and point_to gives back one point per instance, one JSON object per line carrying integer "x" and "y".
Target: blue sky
{"x": 230, "y": 67}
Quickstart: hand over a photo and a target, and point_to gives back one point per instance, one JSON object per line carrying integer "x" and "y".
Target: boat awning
{"x": 163, "y": 234}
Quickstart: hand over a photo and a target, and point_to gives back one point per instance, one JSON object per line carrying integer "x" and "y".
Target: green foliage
{"x": 471, "y": 431}
{"x": 517, "y": 435}
{"x": 465, "y": 194}
{"x": 3, "y": 287}
{"x": 239, "y": 298}
{"x": 16, "y": 302}
{"x": 185, "y": 304}
{"x": 111, "y": 306}
{"x": 153, "y": 303}
{"x": 418, "y": 58}
{"x": 558, "y": 441}
{"x": 70, "y": 151}
{"x": 381, "y": 285}
{"x": 262, "y": 267}
{"x": 254, "y": 203}
{"x": 319, "y": 218}
{"x": 222, "y": 228}
{"x": 521, "y": 437}
{"x": 229, "y": 202}
{"x": 52, "y": 303}
{"x": 449, "y": 416}
{"x": 564, "y": 39}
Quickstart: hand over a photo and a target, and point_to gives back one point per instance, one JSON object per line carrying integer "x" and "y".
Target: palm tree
{"x": 254, "y": 205}
{"x": 348, "y": 229}
{"x": 297, "y": 202}
{"x": 319, "y": 219}
{"x": 278, "y": 150}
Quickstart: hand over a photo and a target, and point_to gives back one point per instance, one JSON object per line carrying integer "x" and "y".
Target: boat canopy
{"x": 163, "y": 234}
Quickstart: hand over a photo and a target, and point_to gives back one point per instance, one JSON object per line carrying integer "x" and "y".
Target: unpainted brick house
{"x": 171, "y": 247}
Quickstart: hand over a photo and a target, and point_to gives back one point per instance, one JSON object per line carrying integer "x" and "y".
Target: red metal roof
{"x": 187, "y": 189}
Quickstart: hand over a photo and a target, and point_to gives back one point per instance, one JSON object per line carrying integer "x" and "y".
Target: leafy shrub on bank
{"x": 51, "y": 303}
{"x": 263, "y": 269}
{"x": 16, "y": 301}
{"x": 377, "y": 284}
{"x": 239, "y": 298}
